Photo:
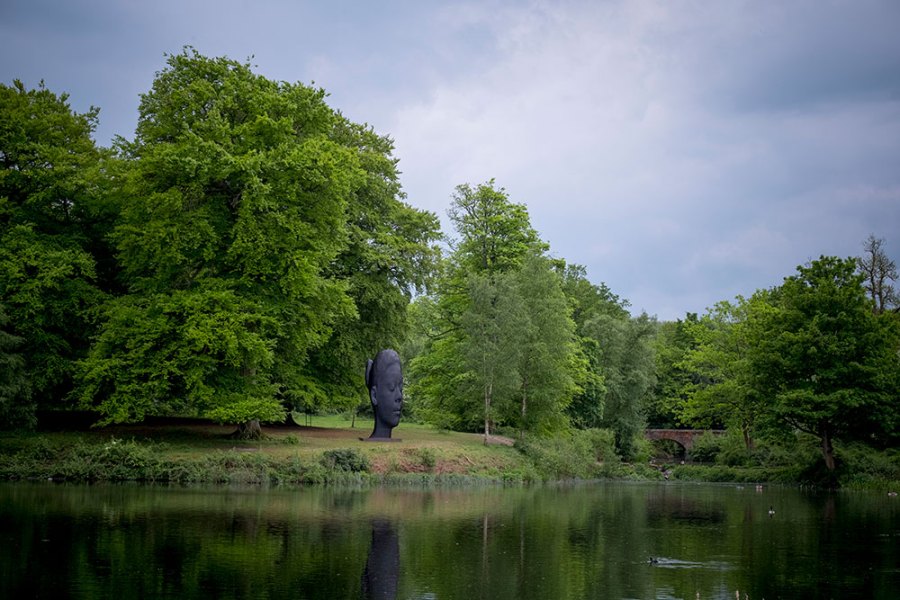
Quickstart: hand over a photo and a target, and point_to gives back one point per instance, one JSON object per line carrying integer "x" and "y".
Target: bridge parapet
{"x": 685, "y": 437}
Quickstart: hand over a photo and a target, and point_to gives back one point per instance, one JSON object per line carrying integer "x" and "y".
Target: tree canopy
{"x": 259, "y": 227}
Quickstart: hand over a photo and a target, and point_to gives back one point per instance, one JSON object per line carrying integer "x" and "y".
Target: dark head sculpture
{"x": 384, "y": 379}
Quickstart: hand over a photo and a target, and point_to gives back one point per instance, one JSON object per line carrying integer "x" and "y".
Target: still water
{"x": 606, "y": 540}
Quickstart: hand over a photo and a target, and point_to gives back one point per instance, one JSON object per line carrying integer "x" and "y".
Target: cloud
{"x": 683, "y": 151}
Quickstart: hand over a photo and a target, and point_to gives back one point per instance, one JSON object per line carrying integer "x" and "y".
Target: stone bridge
{"x": 685, "y": 437}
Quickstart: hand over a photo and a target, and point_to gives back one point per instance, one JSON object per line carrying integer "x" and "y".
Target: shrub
{"x": 706, "y": 447}
{"x": 426, "y": 457}
{"x": 602, "y": 443}
{"x": 348, "y": 460}
{"x": 560, "y": 457}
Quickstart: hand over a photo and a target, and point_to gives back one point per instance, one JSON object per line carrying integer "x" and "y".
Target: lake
{"x": 602, "y": 540}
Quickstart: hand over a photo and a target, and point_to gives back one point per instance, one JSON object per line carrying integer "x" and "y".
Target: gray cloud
{"x": 685, "y": 152}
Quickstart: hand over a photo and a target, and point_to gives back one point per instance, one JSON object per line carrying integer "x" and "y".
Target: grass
{"x": 331, "y": 451}
{"x": 189, "y": 450}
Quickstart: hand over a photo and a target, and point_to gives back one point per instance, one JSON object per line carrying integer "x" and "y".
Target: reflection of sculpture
{"x": 379, "y": 580}
{"x": 385, "y": 382}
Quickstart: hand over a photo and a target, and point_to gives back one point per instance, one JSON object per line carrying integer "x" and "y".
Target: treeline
{"x": 246, "y": 252}
{"x": 515, "y": 339}
{"x": 243, "y": 255}
{"x": 818, "y": 356}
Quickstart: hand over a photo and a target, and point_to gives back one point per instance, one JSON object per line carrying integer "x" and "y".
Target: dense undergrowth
{"x": 581, "y": 455}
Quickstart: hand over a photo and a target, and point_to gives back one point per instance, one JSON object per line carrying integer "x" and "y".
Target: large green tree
{"x": 55, "y": 212}
{"x": 239, "y": 202}
{"x": 824, "y": 362}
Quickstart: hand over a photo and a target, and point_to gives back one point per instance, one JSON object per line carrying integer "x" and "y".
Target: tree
{"x": 674, "y": 379}
{"x": 498, "y": 339}
{"x": 824, "y": 363}
{"x": 549, "y": 364}
{"x": 723, "y": 391}
{"x": 55, "y": 212}
{"x": 879, "y": 271}
{"x": 237, "y": 205}
{"x": 389, "y": 256}
{"x": 490, "y": 346}
{"x": 494, "y": 234}
{"x": 16, "y": 408}
{"x": 588, "y": 301}
{"x": 628, "y": 367}
{"x": 620, "y": 357}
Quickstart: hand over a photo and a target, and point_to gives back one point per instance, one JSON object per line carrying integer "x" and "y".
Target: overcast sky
{"x": 685, "y": 152}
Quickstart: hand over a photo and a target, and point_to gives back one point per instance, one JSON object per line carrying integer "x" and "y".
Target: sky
{"x": 684, "y": 152}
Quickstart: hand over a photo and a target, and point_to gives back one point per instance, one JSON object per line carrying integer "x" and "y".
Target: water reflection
{"x": 591, "y": 541}
{"x": 379, "y": 580}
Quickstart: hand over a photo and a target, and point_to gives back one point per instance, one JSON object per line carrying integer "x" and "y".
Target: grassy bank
{"x": 329, "y": 450}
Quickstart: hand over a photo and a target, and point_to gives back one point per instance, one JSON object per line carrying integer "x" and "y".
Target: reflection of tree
{"x": 382, "y": 572}
{"x": 560, "y": 542}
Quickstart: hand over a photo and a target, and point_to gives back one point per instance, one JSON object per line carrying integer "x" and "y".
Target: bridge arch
{"x": 684, "y": 437}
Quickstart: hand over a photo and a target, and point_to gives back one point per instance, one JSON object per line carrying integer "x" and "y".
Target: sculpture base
{"x": 371, "y": 439}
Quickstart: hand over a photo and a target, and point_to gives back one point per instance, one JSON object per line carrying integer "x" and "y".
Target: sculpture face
{"x": 387, "y": 395}
{"x": 385, "y": 381}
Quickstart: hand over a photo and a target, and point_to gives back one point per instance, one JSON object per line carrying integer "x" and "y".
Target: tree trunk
{"x": 827, "y": 449}
{"x": 249, "y": 430}
{"x": 524, "y": 409}
{"x": 748, "y": 439}
{"x": 487, "y": 413}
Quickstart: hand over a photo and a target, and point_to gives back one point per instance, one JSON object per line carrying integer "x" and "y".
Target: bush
{"x": 602, "y": 443}
{"x": 426, "y": 457}
{"x": 706, "y": 447}
{"x": 348, "y": 460}
{"x": 561, "y": 457}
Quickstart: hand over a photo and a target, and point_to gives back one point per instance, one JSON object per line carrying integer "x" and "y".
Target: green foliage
{"x": 389, "y": 255}
{"x": 425, "y": 456}
{"x": 494, "y": 234}
{"x": 706, "y": 447}
{"x": 187, "y": 351}
{"x": 628, "y": 368}
{"x": 16, "y": 407}
{"x": 724, "y": 391}
{"x": 349, "y": 460}
{"x": 674, "y": 379}
{"x": 576, "y": 455}
{"x": 619, "y": 374}
{"x": 560, "y": 457}
{"x": 823, "y": 361}
{"x": 548, "y": 364}
{"x": 865, "y": 468}
{"x": 54, "y": 216}
{"x": 602, "y": 443}
{"x": 496, "y": 344}
{"x": 265, "y": 249}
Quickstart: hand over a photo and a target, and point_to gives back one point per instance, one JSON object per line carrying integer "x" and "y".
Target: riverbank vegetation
{"x": 249, "y": 248}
